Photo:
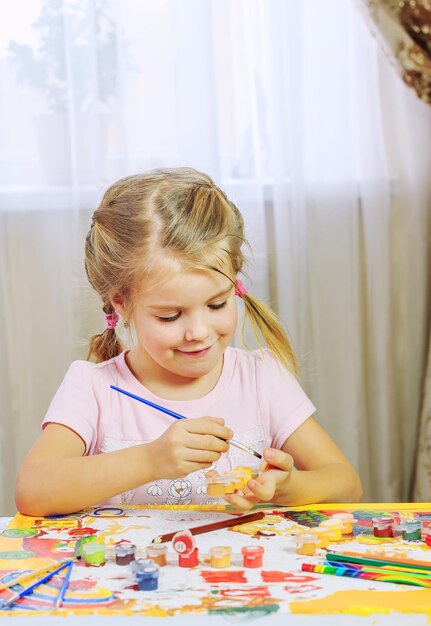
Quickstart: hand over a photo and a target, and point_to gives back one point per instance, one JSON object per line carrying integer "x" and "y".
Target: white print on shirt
{"x": 179, "y": 491}
{"x": 154, "y": 489}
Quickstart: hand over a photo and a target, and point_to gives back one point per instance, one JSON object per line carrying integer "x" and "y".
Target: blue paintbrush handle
{"x": 29, "y": 589}
{"x": 153, "y": 404}
{"x": 64, "y": 585}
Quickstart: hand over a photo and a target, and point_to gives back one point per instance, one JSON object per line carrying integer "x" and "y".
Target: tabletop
{"x": 276, "y": 592}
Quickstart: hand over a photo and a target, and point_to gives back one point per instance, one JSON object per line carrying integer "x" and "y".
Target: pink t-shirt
{"x": 257, "y": 397}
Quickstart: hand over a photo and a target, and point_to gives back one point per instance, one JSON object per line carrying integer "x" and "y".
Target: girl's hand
{"x": 189, "y": 445}
{"x": 271, "y": 482}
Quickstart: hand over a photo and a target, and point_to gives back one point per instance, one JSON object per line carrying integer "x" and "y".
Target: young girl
{"x": 164, "y": 253}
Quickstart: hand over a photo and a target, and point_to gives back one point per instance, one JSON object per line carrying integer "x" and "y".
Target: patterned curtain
{"x": 403, "y": 28}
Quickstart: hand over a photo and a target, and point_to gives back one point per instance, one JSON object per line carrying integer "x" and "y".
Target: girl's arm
{"x": 55, "y": 477}
{"x": 322, "y": 474}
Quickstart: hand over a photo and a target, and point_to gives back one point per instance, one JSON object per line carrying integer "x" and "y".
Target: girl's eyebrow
{"x": 172, "y": 306}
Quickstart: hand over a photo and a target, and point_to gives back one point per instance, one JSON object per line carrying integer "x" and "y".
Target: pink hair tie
{"x": 111, "y": 320}
{"x": 240, "y": 290}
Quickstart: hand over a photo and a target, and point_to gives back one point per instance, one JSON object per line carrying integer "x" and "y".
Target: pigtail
{"x": 106, "y": 345}
{"x": 265, "y": 323}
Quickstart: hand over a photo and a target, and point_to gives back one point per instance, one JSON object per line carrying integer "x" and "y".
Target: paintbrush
{"x": 27, "y": 576}
{"x": 177, "y": 416}
{"x": 33, "y": 586}
{"x": 63, "y": 589}
{"x": 206, "y": 528}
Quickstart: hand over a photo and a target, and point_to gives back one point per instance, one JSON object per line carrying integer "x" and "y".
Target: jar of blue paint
{"x": 139, "y": 564}
{"x": 148, "y": 578}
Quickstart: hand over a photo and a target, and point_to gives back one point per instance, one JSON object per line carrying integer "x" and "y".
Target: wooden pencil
{"x": 207, "y": 528}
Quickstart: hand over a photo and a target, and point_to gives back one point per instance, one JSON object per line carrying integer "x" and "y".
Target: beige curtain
{"x": 404, "y": 30}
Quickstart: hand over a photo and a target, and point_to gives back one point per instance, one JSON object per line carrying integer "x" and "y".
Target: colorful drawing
{"x": 277, "y": 586}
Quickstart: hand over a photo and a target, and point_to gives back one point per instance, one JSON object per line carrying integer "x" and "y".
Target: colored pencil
{"x": 207, "y": 528}
{"x": 355, "y": 557}
{"x": 381, "y": 576}
{"x": 63, "y": 588}
{"x": 232, "y": 442}
{"x": 33, "y": 586}
{"x": 29, "y": 575}
{"x": 381, "y": 568}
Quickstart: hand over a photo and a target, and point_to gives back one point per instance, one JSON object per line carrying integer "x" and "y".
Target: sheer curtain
{"x": 300, "y": 120}
{"x": 403, "y": 30}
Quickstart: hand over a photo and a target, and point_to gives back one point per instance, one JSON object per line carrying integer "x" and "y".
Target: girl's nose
{"x": 197, "y": 329}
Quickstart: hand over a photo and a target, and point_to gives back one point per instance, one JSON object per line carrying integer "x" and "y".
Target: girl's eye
{"x": 172, "y": 318}
{"x": 219, "y": 305}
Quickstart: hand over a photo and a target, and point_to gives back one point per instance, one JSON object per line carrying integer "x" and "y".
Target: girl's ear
{"x": 118, "y": 304}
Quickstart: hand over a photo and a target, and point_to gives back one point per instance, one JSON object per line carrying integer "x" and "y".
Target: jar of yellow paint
{"x": 347, "y": 520}
{"x": 247, "y": 471}
{"x": 220, "y": 556}
{"x": 237, "y": 479}
{"x": 322, "y": 535}
{"x": 229, "y": 482}
{"x": 216, "y": 486}
{"x": 306, "y": 543}
{"x": 334, "y": 528}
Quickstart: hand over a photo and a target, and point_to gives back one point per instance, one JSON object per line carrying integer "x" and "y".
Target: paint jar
{"x": 252, "y": 556}
{"x": 306, "y": 543}
{"x": 396, "y": 530}
{"x": 411, "y": 529}
{"x": 425, "y": 527}
{"x": 125, "y": 553}
{"x": 240, "y": 478}
{"x": 183, "y": 542}
{"x": 334, "y": 528}
{"x": 216, "y": 486}
{"x": 229, "y": 482}
{"x": 233, "y": 481}
{"x": 148, "y": 578}
{"x": 94, "y": 553}
{"x": 138, "y": 564}
{"x": 382, "y": 526}
{"x": 246, "y": 472}
{"x": 157, "y": 552}
{"x": 220, "y": 556}
{"x": 347, "y": 520}
{"x": 322, "y": 535}
{"x": 189, "y": 560}
{"x": 80, "y": 543}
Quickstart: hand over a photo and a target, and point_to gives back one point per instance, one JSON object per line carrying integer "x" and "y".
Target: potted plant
{"x": 74, "y": 66}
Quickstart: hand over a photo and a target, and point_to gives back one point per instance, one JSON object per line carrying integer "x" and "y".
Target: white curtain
{"x": 294, "y": 112}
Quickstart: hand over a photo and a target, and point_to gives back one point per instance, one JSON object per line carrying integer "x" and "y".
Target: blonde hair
{"x": 182, "y": 212}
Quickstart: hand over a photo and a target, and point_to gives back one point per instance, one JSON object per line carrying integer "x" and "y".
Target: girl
{"x": 164, "y": 253}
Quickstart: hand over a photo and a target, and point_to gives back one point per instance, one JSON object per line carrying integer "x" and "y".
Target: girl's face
{"x": 183, "y": 325}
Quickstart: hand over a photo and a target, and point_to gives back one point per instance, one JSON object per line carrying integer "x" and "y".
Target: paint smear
{"x": 223, "y": 576}
{"x": 367, "y": 602}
